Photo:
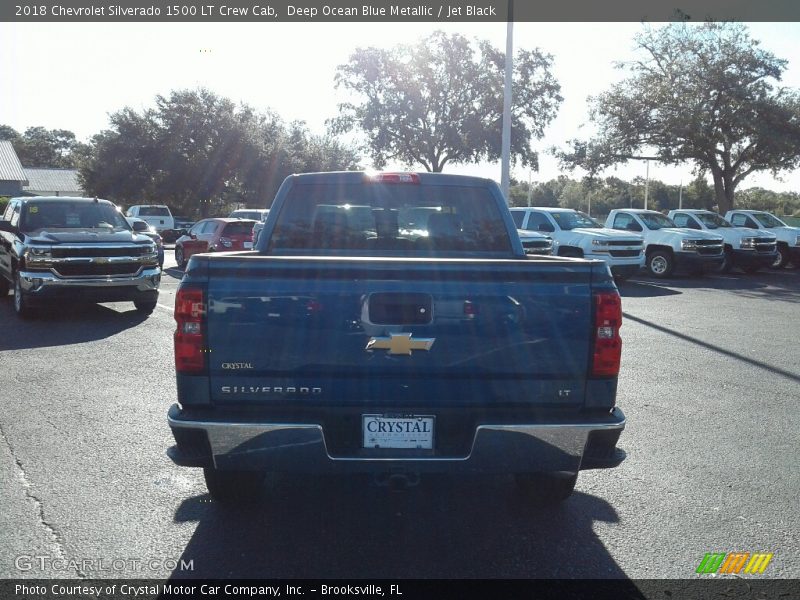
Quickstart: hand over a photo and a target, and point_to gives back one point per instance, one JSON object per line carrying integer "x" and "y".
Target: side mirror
{"x": 193, "y": 236}
{"x": 7, "y": 227}
{"x": 139, "y": 226}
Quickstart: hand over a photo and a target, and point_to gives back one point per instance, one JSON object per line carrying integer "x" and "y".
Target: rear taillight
{"x": 607, "y": 342}
{"x": 190, "y": 337}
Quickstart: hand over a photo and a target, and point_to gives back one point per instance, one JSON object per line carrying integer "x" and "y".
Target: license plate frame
{"x": 419, "y": 431}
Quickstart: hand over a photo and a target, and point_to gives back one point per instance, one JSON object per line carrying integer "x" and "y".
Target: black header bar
{"x": 331, "y": 11}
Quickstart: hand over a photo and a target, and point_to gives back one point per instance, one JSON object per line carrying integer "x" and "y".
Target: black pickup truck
{"x": 393, "y": 324}
{"x": 63, "y": 249}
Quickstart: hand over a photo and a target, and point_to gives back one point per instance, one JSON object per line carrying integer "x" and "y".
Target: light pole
{"x": 647, "y": 183}
{"x": 505, "y": 142}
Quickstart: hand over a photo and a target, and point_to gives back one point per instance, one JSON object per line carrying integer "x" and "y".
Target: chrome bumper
{"x": 301, "y": 447}
{"x": 37, "y": 282}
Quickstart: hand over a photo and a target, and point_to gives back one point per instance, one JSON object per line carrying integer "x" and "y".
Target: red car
{"x": 214, "y": 235}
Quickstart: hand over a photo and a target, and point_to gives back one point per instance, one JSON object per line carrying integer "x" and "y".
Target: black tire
{"x": 660, "y": 263}
{"x": 4, "y": 287}
{"x": 546, "y": 489}
{"x": 179, "y": 257}
{"x": 145, "y": 307}
{"x": 783, "y": 257}
{"x": 233, "y": 487}
{"x": 727, "y": 263}
{"x": 21, "y": 303}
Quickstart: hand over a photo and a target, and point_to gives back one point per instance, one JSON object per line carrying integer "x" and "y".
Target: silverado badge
{"x": 399, "y": 343}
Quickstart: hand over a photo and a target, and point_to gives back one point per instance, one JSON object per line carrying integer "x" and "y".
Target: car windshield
{"x": 653, "y": 220}
{"x": 154, "y": 211}
{"x": 768, "y": 221}
{"x": 400, "y": 219}
{"x": 71, "y": 215}
{"x": 712, "y": 221}
{"x": 575, "y": 219}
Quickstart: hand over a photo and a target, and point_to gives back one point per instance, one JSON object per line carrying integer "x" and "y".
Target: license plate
{"x": 409, "y": 431}
{"x": 248, "y": 244}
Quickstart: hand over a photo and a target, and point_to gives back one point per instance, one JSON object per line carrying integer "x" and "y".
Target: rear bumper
{"x": 555, "y": 445}
{"x": 45, "y": 286}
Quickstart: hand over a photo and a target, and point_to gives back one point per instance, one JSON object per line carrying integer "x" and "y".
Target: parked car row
{"x": 696, "y": 241}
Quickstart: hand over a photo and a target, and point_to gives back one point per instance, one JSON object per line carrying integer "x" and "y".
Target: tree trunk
{"x": 723, "y": 192}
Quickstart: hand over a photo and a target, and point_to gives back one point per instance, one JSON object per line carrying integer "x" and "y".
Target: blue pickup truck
{"x": 392, "y": 323}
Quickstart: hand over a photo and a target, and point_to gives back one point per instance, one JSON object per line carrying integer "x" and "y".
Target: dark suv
{"x": 64, "y": 249}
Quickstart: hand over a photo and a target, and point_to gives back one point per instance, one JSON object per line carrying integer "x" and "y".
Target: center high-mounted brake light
{"x": 412, "y": 178}
{"x": 190, "y": 338}
{"x": 607, "y": 350}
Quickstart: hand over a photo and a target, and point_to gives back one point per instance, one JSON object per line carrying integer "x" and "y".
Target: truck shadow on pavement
{"x": 767, "y": 285}
{"x": 62, "y": 325}
{"x": 349, "y": 527}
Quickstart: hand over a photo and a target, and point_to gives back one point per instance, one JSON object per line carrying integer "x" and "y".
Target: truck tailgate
{"x": 399, "y": 332}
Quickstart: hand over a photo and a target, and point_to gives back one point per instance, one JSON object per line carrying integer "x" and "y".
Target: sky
{"x": 73, "y": 75}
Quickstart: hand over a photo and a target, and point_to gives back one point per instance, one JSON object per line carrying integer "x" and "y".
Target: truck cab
{"x": 788, "y": 238}
{"x": 578, "y": 235}
{"x": 748, "y": 249}
{"x": 668, "y": 247}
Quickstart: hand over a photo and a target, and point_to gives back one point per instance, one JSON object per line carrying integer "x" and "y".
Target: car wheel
{"x": 660, "y": 263}
{"x": 727, "y": 261}
{"x": 21, "y": 304}
{"x": 233, "y": 487}
{"x": 782, "y": 258}
{"x": 145, "y": 307}
{"x": 546, "y": 489}
{"x": 179, "y": 257}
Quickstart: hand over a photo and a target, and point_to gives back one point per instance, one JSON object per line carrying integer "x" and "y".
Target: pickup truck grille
{"x": 98, "y": 250}
{"x": 624, "y": 253}
{"x": 94, "y": 270}
{"x": 708, "y": 247}
{"x": 537, "y": 247}
{"x": 625, "y": 243}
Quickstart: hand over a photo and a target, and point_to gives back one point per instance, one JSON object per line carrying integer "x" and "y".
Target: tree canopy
{"x": 199, "y": 152}
{"x": 441, "y": 101}
{"x": 704, "y": 94}
{"x": 40, "y": 147}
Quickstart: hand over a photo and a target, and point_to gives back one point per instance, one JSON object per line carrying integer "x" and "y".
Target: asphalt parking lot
{"x": 710, "y": 384}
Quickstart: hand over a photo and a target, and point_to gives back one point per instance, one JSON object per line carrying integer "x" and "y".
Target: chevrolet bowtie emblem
{"x": 399, "y": 343}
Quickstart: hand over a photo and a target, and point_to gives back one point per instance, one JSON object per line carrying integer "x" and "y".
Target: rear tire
{"x": 179, "y": 257}
{"x": 145, "y": 307}
{"x": 233, "y": 487}
{"x": 546, "y": 489}
{"x": 660, "y": 263}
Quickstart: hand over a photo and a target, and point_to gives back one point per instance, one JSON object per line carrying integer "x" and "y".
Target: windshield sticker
{"x": 33, "y": 210}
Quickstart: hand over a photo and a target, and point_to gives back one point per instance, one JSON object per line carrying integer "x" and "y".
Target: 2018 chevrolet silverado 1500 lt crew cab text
{"x": 63, "y": 249}
{"x": 392, "y": 323}
{"x": 576, "y": 234}
{"x": 745, "y": 248}
{"x": 668, "y": 247}
{"x": 788, "y": 236}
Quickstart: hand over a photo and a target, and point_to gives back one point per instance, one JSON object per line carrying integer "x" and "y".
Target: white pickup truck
{"x": 667, "y": 246}
{"x": 748, "y": 249}
{"x": 788, "y": 236}
{"x": 578, "y": 235}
